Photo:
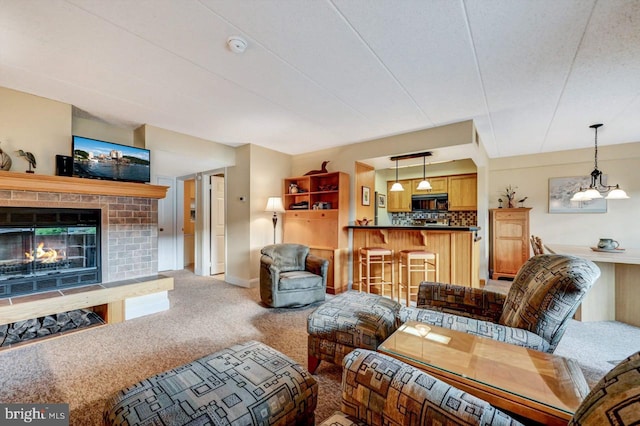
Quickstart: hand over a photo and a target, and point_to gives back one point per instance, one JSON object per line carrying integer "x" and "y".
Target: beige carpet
{"x": 206, "y": 315}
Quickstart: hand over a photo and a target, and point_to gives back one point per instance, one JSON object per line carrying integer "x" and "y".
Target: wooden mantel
{"x": 73, "y": 185}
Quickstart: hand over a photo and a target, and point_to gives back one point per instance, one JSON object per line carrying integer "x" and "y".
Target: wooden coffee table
{"x": 536, "y": 385}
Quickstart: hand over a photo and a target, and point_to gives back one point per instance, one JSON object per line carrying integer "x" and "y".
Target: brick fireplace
{"x": 129, "y": 216}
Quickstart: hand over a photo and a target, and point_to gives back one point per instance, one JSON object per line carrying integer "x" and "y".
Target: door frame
{"x": 172, "y": 200}
{"x": 203, "y": 221}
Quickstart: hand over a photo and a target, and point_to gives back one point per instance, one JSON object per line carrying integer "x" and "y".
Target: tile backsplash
{"x": 457, "y": 218}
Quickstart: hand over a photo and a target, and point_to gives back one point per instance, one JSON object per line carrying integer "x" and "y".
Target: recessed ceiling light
{"x": 236, "y": 44}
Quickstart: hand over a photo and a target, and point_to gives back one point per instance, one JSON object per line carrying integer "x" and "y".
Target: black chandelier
{"x": 597, "y": 187}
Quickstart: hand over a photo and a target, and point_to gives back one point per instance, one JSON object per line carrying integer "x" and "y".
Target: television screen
{"x": 106, "y": 160}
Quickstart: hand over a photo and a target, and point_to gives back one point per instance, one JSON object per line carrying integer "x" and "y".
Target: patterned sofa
{"x": 544, "y": 295}
{"x": 378, "y": 390}
{"x": 246, "y": 384}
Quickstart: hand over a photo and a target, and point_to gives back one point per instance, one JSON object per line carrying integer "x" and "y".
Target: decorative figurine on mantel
{"x": 29, "y": 157}
{"x": 323, "y": 169}
{"x": 5, "y": 161}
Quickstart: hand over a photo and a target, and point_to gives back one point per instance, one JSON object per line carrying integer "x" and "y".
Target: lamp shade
{"x": 396, "y": 187}
{"x": 424, "y": 185}
{"x": 274, "y": 204}
{"x": 592, "y": 194}
{"x": 617, "y": 194}
{"x": 579, "y": 196}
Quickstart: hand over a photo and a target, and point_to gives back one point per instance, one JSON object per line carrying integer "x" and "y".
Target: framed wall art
{"x": 366, "y": 196}
{"x": 382, "y": 201}
{"x": 561, "y": 190}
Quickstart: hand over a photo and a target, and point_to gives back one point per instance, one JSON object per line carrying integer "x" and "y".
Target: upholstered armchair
{"x": 544, "y": 295}
{"x": 379, "y": 390}
{"x": 290, "y": 276}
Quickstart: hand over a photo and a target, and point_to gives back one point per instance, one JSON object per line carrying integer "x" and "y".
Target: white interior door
{"x": 217, "y": 225}
{"x": 166, "y": 226}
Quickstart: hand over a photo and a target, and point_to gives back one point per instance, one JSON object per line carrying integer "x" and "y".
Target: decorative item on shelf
{"x": 521, "y": 202}
{"x": 323, "y": 169}
{"x": 321, "y": 205}
{"x": 302, "y": 205}
{"x": 500, "y": 203}
{"x": 5, "y": 161}
{"x": 327, "y": 187}
{"x": 293, "y": 188}
{"x": 274, "y": 204}
{"x": 510, "y": 193}
{"x": 597, "y": 187}
{"x": 362, "y": 222}
{"x": 30, "y": 158}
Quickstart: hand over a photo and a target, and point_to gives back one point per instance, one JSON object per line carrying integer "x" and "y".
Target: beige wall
{"x": 175, "y": 154}
{"x": 365, "y": 175}
{"x": 102, "y": 131}
{"x": 621, "y": 164}
{"x": 38, "y": 125}
{"x": 268, "y": 168}
{"x": 257, "y": 175}
{"x": 238, "y": 220}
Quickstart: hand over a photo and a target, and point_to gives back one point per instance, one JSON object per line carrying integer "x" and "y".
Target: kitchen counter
{"x": 457, "y": 247}
{"x": 430, "y": 227}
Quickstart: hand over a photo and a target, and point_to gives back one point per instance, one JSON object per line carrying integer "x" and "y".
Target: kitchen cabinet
{"x": 317, "y": 210}
{"x": 463, "y": 192}
{"x": 399, "y": 201}
{"x": 509, "y": 243}
{"x": 439, "y": 185}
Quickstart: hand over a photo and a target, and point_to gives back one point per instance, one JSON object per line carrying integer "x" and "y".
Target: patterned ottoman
{"x": 246, "y": 384}
{"x": 349, "y": 321}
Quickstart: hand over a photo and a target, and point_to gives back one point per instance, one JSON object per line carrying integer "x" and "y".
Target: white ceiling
{"x": 532, "y": 74}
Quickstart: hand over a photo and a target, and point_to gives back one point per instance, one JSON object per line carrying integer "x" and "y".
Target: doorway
{"x": 189, "y": 224}
{"x": 218, "y": 251}
{"x": 201, "y": 223}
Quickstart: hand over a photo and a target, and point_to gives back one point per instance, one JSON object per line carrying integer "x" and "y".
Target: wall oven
{"x": 430, "y": 203}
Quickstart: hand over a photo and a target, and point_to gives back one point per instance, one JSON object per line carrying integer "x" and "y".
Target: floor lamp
{"x": 274, "y": 204}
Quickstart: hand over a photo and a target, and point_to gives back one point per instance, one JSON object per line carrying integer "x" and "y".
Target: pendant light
{"x": 596, "y": 187}
{"x": 424, "y": 184}
{"x": 397, "y": 186}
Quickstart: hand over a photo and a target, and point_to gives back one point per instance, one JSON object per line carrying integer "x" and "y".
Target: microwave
{"x": 430, "y": 203}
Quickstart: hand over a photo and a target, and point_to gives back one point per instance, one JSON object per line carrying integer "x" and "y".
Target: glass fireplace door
{"x": 45, "y": 257}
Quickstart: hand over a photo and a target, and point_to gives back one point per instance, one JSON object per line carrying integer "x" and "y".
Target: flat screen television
{"x": 97, "y": 159}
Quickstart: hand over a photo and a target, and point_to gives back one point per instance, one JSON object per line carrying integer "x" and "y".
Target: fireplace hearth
{"x": 44, "y": 249}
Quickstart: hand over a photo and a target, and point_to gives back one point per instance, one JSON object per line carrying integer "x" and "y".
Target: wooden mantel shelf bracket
{"x": 72, "y": 185}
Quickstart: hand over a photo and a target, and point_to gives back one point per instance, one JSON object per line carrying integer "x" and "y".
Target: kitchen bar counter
{"x": 457, "y": 247}
{"x": 430, "y": 227}
{"x": 614, "y": 296}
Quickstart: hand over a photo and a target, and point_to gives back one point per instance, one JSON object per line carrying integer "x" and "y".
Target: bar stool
{"x": 371, "y": 257}
{"x": 415, "y": 261}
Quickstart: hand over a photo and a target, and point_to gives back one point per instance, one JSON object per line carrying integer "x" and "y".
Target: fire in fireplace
{"x": 44, "y": 249}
